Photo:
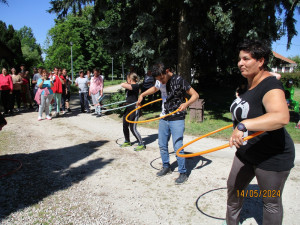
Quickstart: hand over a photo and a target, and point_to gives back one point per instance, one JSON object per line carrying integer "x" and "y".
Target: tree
{"x": 87, "y": 45}
{"x": 4, "y": 2}
{"x": 297, "y": 60}
{"x": 188, "y": 33}
{"x": 32, "y": 51}
{"x": 10, "y": 47}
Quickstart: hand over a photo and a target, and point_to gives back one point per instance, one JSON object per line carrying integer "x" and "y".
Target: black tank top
{"x": 132, "y": 95}
{"x": 272, "y": 150}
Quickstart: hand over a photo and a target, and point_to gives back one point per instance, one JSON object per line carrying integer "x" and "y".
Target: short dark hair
{"x": 158, "y": 69}
{"x": 97, "y": 69}
{"x": 258, "y": 49}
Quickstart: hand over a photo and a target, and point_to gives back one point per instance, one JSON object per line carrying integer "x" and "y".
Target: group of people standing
{"x": 52, "y": 91}
{"x": 15, "y": 89}
{"x": 48, "y": 91}
{"x": 39, "y": 90}
{"x": 261, "y": 107}
{"x": 90, "y": 87}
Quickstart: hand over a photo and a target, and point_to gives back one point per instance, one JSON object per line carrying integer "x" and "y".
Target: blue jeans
{"x": 165, "y": 130}
{"x": 84, "y": 104}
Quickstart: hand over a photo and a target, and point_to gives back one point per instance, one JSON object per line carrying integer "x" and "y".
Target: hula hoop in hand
{"x": 212, "y": 149}
{"x": 150, "y": 120}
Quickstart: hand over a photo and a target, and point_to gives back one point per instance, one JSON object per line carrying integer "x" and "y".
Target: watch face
{"x": 241, "y": 127}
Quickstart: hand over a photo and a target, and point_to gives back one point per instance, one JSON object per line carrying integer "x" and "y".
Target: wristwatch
{"x": 241, "y": 127}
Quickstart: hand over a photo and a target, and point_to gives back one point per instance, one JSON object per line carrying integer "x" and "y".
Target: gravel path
{"x": 74, "y": 172}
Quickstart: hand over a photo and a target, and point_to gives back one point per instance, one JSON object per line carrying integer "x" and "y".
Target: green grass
{"x": 113, "y": 82}
{"x": 297, "y": 94}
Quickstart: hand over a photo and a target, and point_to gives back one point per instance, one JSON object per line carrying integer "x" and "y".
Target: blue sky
{"x": 32, "y": 13}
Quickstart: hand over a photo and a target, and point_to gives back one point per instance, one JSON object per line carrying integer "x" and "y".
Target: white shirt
{"x": 163, "y": 90}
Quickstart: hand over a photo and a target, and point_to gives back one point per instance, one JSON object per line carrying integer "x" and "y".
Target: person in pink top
{"x": 96, "y": 88}
{"x": 6, "y": 88}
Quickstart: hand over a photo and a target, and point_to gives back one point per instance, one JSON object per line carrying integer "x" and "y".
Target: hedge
{"x": 295, "y": 76}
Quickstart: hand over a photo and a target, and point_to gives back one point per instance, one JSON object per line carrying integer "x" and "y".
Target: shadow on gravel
{"x": 148, "y": 139}
{"x": 46, "y": 172}
{"x": 252, "y": 207}
{"x": 193, "y": 163}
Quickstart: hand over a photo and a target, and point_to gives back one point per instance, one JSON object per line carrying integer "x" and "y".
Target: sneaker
{"x": 69, "y": 110}
{"x": 39, "y": 118}
{"x": 48, "y": 118}
{"x": 126, "y": 144}
{"x": 164, "y": 171}
{"x": 140, "y": 148}
{"x": 181, "y": 179}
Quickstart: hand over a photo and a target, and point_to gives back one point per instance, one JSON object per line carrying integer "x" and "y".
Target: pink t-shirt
{"x": 96, "y": 85}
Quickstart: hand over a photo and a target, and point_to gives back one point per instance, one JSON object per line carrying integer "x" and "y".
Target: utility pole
{"x": 123, "y": 70}
{"x": 112, "y": 68}
{"x": 71, "y": 43}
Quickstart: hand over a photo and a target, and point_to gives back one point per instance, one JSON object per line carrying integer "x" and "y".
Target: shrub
{"x": 295, "y": 76}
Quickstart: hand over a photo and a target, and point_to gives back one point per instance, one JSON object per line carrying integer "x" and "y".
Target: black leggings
{"x": 6, "y": 100}
{"x": 16, "y": 96}
{"x": 133, "y": 117}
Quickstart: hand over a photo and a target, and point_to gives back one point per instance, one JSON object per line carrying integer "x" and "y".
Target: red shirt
{"x": 25, "y": 81}
{"x": 6, "y": 82}
{"x": 57, "y": 85}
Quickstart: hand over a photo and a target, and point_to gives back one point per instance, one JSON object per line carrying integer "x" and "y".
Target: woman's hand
{"x": 139, "y": 101}
{"x": 236, "y": 138}
{"x": 183, "y": 106}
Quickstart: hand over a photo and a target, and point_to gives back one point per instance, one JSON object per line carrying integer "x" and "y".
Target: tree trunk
{"x": 184, "y": 46}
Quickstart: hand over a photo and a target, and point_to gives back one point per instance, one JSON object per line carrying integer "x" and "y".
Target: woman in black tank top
{"x": 270, "y": 156}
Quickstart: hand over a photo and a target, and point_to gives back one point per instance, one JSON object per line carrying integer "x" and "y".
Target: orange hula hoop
{"x": 145, "y": 121}
{"x": 212, "y": 149}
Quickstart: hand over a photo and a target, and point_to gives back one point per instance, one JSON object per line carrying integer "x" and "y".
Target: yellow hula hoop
{"x": 212, "y": 149}
{"x": 145, "y": 121}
